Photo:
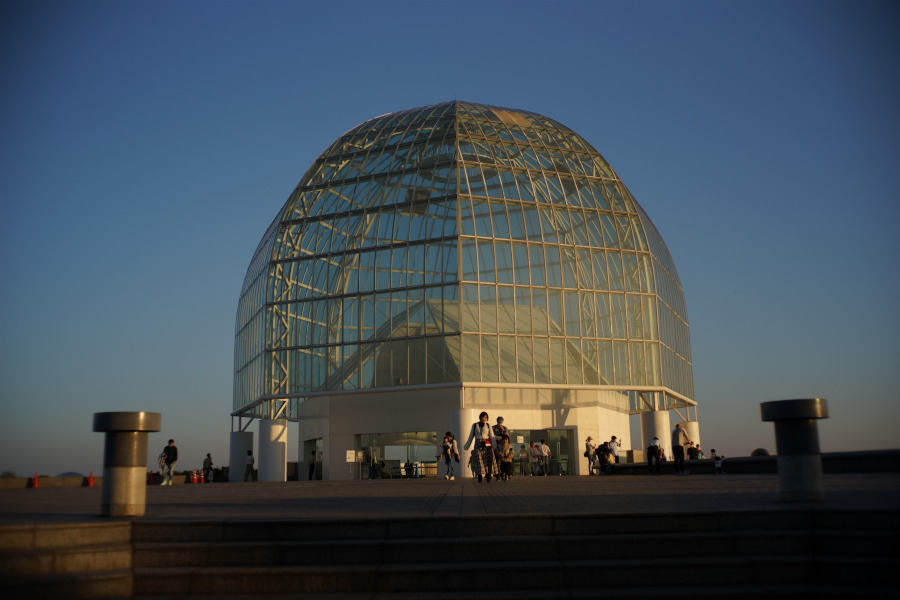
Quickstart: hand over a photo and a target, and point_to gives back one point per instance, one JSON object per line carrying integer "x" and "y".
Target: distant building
{"x": 440, "y": 261}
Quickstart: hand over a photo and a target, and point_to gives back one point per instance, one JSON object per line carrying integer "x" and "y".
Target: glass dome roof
{"x": 460, "y": 242}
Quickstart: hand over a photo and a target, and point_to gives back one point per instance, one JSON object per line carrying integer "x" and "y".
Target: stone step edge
{"x": 57, "y": 578}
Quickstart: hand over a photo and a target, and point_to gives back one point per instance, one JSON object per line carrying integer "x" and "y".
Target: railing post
{"x": 797, "y": 443}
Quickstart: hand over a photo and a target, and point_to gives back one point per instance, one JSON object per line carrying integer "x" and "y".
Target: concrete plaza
{"x": 430, "y": 497}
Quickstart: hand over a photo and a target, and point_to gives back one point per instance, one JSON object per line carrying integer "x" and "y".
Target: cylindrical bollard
{"x": 797, "y": 443}
{"x": 125, "y": 460}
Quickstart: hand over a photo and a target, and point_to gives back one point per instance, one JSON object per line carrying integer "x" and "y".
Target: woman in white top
{"x": 483, "y": 461}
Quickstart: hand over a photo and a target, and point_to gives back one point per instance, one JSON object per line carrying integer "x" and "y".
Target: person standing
{"x": 679, "y": 439}
{"x": 546, "y": 455}
{"x": 700, "y": 454}
{"x": 207, "y": 468}
{"x": 614, "y": 449}
{"x": 506, "y": 457}
{"x": 500, "y": 429}
{"x": 653, "y": 455}
{"x": 312, "y": 465}
{"x": 535, "y": 455}
{"x": 450, "y": 453}
{"x": 590, "y": 450}
{"x": 248, "y": 473}
{"x": 692, "y": 453}
{"x": 484, "y": 464}
{"x": 171, "y": 457}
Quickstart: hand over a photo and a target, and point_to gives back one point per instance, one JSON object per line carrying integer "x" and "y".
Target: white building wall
{"x": 338, "y": 419}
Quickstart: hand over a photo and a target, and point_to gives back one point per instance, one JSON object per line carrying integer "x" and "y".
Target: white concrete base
{"x": 241, "y": 441}
{"x": 124, "y": 491}
{"x": 693, "y": 430}
{"x": 800, "y": 478}
{"x": 656, "y": 424}
{"x": 272, "y": 459}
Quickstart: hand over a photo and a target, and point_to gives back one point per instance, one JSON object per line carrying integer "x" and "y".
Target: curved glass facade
{"x": 460, "y": 242}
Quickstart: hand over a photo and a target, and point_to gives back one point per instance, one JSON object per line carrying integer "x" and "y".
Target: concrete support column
{"x": 272, "y": 459}
{"x": 693, "y": 430}
{"x": 797, "y": 442}
{"x": 125, "y": 461}
{"x": 240, "y": 442}
{"x": 460, "y": 423}
{"x": 655, "y": 423}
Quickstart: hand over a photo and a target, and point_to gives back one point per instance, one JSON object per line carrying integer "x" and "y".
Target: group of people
{"x": 169, "y": 457}
{"x": 601, "y": 457}
{"x": 680, "y": 439}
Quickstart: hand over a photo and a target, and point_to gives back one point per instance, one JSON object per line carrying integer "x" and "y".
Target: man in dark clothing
{"x": 679, "y": 439}
{"x": 207, "y": 468}
{"x": 171, "y": 454}
{"x": 692, "y": 452}
{"x": 653, "y": 455}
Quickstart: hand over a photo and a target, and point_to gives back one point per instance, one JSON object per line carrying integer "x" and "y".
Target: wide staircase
{"x": 780, "y": 554}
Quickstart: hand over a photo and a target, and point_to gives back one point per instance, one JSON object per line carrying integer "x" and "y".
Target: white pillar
{"x": 460, "y": 423}
{"x": 272, "y": 459}
{"x": 241, "y": 441}
{"x": 655, "y": 423}
{"x": 693, "y": 430}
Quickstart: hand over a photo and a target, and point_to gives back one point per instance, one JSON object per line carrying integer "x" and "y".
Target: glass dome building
{"x": 440, "y": 261}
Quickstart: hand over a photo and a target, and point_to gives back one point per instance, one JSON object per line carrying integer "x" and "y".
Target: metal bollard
{"x": 125, "y": 460}
{"x": 797, "y": 443}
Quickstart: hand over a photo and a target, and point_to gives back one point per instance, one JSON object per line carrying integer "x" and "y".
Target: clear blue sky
{"x": 145, "y": 147}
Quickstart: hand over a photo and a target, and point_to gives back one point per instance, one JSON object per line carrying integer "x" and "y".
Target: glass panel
{"x": 481, "y": 211}
{"x": 532, "y": 222}
{"x": 486, "y": 262}
{"x": 646, "y": 274}
{"x": 366, "y": 271}
{"x": 516, "y": 221}
{"x": 570, "y": 279}
{"x": 520, "y": 258}
{"x": 434, "y": 264}
{"x": 506, "y": 309}
{"x": 588, "y": 323}
{"x": 573, "y": 361}
{"x": 600, "y": 275}
{"x": 398, "y": 315}
{"x": 651, "y": 331}
{"x": 547, "y": 226}
{"x": 416, "y": 312}
{"x": 632, "y": 277}
{"x": 469, "y": 259}
{"x": 488, "y": 302}
{"x": 652, "y": 363}
{"x": 351, "y": 320}
{"x": 498, "y": 217}
{"x": 557, "y": 360}
{"x": 536, "y": 255}
{"x": 416, "y": 265}
{"x": 610, "y": 238}
{"x": 367, "y": 317}
{"x": 541, "y": 360}
{"x": 451, "y": 308}
{"x": 523, "y": 311}
{"x": 541, "y": 312}
{"x": 504, "y": 262}
{"x": 554, "y": 271}
{"x": 382, "y": 364}
{"x": 417, "y": 361}
{"x": 585, "y": 276}
{"x": 399, "y": 362}
{"x": 490, "y": 362}
{"x": 525, "y": 189}
{"x": 618, "y": 315}
{"x": 635, "y": 326}
{"x": 620, "y": 357}
{"x": 525, "y": 358}
{"x": 589, "y": 354}
{"x": 452, "y": 359}
{"x": 507, "y": 359}
{"x": 450, "y": 266}
{"x": 433, "y": 311}
{"x": 434, "y": 369}
{"x": 638, "y": 375}
{"x": 604, "y": 328}
{"x": 563, "y": 226}
{"x": 606, "y": 362}
{"x": 572, "y": 314}
{"x": 616, "y": 279}
{"x": 470, "y": 320}
{"x": 398, "y": 267}
{"x": 467, "y": 223}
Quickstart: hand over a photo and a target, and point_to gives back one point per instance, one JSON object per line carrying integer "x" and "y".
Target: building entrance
{"x": 560, "y": 441}
{"x": 402, "y": 455}
{"x": 311, "y": 448}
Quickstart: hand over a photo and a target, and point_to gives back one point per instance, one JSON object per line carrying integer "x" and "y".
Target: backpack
{"x": 161, "y": 461}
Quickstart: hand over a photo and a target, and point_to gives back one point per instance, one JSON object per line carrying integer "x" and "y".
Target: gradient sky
{"x": 146, "y": 146}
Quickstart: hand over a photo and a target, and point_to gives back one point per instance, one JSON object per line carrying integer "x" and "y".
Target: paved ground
{"x": 412, "y": 498}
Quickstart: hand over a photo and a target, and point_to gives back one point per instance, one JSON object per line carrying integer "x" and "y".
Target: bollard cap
{"x": 809, "y": 408}
{"x": 127, "y": 421}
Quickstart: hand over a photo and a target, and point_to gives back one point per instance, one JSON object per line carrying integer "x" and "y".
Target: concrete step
{"x": 109, "y": 584}
{"x": 64, "y": 536}
{"x": 495, "y": 549}
{"x": 519, "y": 575}
{"x": 48, "y": 561}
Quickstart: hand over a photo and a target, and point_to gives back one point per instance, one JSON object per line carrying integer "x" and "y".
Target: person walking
{"x": 679, "y": 439}
{"x": 653, "y": 455}
{"x": 614, "y": 449}
{"x": 546, "y": 455}
{"x": 534, "y": 454}
{"x": 590, "y": 450}
{"x": 248, "y": 473}
{"x": 483, "y": 464}
{"x": 450, "y": 453}
{"x": 500, "y": 429}
{"x": 506, "y": 457}
{"x": 312, "y": 465}
{"x": 171, "y": 457}
{"x": 207, "y": 468}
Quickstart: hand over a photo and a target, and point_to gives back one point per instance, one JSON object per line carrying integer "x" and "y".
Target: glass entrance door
{"x": 560, "y": 441}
